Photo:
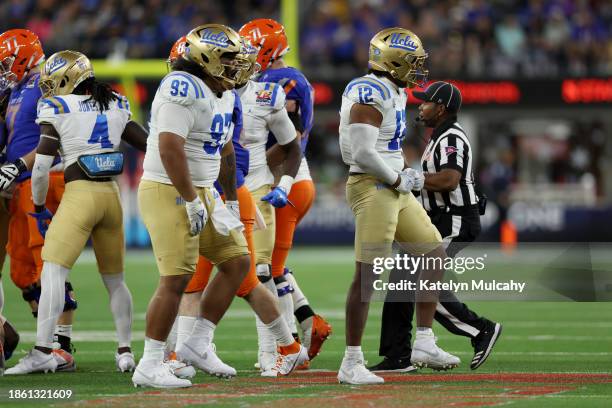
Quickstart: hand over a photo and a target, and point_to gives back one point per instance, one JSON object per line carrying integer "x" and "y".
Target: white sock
{"x": 202, "y": 334}
{"x": 299, "y": 299}
{"x": 353, "y": 353}
{"x": 172, "y": 338}
{"x": 424, "y": 332}
{"x": 153, "y": 351}
{"x": 121, "y": 307}
{"x": 286, "y": 308}
{"x": 1, "y": 296}
{"x": 280, "y": 331}
{"x": 51, "y": 303}
{"x": 184, "y": 329}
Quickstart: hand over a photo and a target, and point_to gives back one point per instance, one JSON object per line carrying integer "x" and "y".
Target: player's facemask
{"x": 247, "y": 59}
{"x": 8, "y": 79}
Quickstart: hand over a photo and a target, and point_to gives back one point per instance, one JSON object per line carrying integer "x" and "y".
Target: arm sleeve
{"x": 174, "y": 118}
{"x": 363, "y": 147}
{"x": 40, "y": 178}
{"x": 280, "y": 124}
{"x": 451, "y": 150}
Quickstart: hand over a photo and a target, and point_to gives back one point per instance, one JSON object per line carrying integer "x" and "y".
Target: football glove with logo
{"x": 197, "y": 214}
{"x": 277, "y": 197}
{"x": 43, "y": 219}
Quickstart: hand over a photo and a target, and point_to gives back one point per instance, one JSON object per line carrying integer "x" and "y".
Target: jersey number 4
{"x": 100, "y": 133}
{"x": 220, "y": 124}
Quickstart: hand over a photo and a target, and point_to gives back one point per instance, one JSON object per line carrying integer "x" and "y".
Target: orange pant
{"x": 302, "y": 195}
{"x": 24, "y": 240}
{"x": 204, "y": 268}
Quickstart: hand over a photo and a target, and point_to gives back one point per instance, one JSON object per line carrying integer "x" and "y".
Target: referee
{"x": 452, "y": 204}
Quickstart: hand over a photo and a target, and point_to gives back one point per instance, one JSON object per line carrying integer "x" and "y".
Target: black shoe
{"x": 484, "y": 342}
{"x": 397, "y": 365}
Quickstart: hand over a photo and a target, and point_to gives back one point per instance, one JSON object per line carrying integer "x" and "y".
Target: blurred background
{"x": 535, "y": 77}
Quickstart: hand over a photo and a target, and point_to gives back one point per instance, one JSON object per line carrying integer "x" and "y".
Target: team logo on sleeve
{"x": 263, "y": 97}
{"x": 450, "y": 150}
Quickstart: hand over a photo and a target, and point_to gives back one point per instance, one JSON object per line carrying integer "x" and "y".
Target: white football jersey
{"x": 390, "y": 100}
{"x": 83, "y": 129}
{"x": 263, "y": 111}
{"x": 203, "y": 119}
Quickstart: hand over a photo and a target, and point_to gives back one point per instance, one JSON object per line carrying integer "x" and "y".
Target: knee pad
{"x": 69, "y": 302}
{"x": 264, "y": 274}
{"x": 32, "y": 294}
{"x": 282, "y": 286}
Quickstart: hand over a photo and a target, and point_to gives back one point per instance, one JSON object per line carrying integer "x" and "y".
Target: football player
{"x": 21, "y": 54}
{"x": 84, "y": 121}
{"x": 270, "y": 37}
{"x": 261, "y": 300}
{"x": 372, "y": 126}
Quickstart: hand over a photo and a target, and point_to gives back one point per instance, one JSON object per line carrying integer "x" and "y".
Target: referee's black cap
{"x": 443, "y": 93}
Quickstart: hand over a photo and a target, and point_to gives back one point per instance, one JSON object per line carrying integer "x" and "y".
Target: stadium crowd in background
{"x": 470, "y": 38}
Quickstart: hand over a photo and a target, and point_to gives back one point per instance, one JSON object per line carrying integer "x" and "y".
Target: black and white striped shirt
{"x": 449, "y": 148}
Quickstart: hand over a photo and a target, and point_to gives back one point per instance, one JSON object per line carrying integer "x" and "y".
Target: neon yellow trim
{"x": 290, "y": 19}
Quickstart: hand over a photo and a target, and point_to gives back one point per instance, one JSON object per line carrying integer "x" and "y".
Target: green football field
{"x": 549, "y": 355}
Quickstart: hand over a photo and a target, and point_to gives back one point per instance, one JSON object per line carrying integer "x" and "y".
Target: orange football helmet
{"x": 20, "y": 51}
{"x": 178, "y": 49}
{"x": 269, "y": 36}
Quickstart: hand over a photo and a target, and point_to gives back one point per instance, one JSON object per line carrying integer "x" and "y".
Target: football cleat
{"x": 65, "y": 361}
{"x": 353, "y": 371}
{"x": 316, "y": 331}
{"x": 34, "y": 362}
{"x": 425, "y": 353}
{"x": 266, "y": 360}
{"x": 180, "y": 369}
{"x": 484, "y": 342}
{"x": 125, "y": 362}
{"x": 206, "y": 361}
{"x": 394, "y": 365}
{"x": 286, "y": 363}
{"x": 304, "y": 366}
{"x": 157, "y": 376}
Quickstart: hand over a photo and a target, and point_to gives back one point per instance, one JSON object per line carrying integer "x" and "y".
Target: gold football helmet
{"x": 400, "y": 53}
{"x": 206, "y": 44}
{"x": 247, "y": 61}
{"x": 63, "y": 72}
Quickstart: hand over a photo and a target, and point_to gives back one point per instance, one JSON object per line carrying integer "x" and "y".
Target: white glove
{"x": 407, "y": 181}
{"x": 8, "y": 173}
{"x": 234, "y": 208}
{"x": 197, "y": 214}
{"x": 419, "y": 179}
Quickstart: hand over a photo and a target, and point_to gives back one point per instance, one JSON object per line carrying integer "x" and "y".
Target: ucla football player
{"x": 21, "y": 57}
{"x": 269, "y": 36}
{"x": 379, "y": 192}
{"x": 262, "y": 301}
{"x": 83, "y": 121}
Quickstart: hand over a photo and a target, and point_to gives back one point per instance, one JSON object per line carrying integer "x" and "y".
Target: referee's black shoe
{"x": 397, "y": 365}
{"x": 484, "y": 342}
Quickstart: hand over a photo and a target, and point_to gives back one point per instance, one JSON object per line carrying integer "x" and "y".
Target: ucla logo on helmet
{"x": 403, "y": 42}
{"x": 217, "y": 39}
{"x": 55, "y": 64}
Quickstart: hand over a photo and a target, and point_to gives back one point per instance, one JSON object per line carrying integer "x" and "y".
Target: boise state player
{"x": 86, "y": 132}
{"x": 378, "y": 190}
{"x": 21, "y": 54}
{"x": 270, "y": 37}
